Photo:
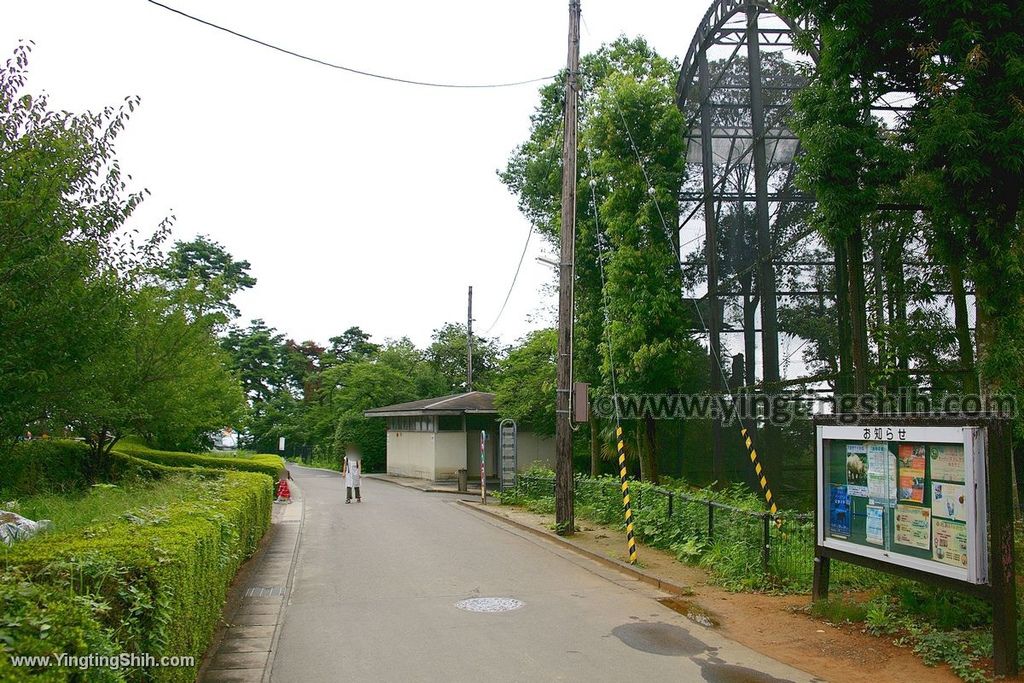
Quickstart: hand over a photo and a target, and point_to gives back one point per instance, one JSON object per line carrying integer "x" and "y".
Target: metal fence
{"x": 761, "y": 548}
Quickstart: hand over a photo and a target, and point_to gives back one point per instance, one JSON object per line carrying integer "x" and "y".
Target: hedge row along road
{"x": 150, "y": 582}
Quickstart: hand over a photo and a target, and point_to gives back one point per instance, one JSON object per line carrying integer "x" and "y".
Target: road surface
{"x": 376, "y": 586}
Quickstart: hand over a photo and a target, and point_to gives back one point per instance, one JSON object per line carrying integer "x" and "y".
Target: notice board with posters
{"x": 913, "y": 496}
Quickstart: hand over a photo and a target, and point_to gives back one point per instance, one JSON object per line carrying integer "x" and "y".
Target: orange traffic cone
{"x": 284, "y": 495}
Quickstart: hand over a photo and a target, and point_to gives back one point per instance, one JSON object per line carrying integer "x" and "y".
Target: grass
{"x": 100, "y": 503}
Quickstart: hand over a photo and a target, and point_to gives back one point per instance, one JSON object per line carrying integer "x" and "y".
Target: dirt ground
{"x": 772, "y": 624}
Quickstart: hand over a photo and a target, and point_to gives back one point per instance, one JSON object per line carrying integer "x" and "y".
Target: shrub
{"x": 50, "y": 465}
{"x": 271, "y": 465}
{"x": 157, "y": 578}
{"x": 39, "y": 621}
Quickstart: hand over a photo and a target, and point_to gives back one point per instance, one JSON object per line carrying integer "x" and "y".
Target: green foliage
{"x": 61, "y": 201}
{"x": 156, "y": 578}
{"x": 840, "y": 610}
{"x": 525, "y": 386}
{"x": 42, "y": 620}
{"x": 100, "y": 502}
{"x": 98, "y": 334}
{"x": 206, "y": 266}
{"x": 447, "y": 354}
{"x": 270, "y": 465}
{"x": 627, "y": 108}
{"x": 43, "y": 465}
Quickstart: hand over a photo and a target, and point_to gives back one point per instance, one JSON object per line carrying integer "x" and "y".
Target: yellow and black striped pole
{"x": 762, "y": 479}
{"x": 630, "y": 541}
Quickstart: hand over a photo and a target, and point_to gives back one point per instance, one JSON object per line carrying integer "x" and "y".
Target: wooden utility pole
{"x": 564, "y": 514}
{"x": 469, "y": 342}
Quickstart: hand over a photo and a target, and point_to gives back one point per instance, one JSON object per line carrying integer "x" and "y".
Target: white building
{"x": 434, "y": 438}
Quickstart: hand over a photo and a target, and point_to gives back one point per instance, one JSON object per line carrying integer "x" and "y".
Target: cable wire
{"x": 340, "y": 67}
{"x": 514, "y": 278}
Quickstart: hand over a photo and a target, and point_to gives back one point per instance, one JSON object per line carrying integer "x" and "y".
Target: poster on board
{"x": 874, "y": 528}
{"x": 856, "y": 470}
{"x": 949, "y": 501}
{"x": 913, "y": 526}
{"x": 949, "y": 542}
{"x": 911, "y": 472}
{"x": 947, "y": 462}
{"x": 881, "y": 474}
{"x": 839, "y": 512}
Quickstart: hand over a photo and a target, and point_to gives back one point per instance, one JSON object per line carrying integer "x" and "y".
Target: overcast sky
{"x": 357, "y": 201}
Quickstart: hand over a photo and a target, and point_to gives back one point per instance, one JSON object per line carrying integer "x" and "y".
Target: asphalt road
{"x": 376, "y": 585}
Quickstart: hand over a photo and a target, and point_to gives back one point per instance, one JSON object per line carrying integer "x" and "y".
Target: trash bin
{"x": 463, "y": 481}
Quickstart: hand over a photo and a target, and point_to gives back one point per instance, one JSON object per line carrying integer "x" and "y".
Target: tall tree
{"x": 447, "y": 353}
{"x": 62, "y": 203}
{"x": 625, "y": 78}
{"x": 213, "y": 271}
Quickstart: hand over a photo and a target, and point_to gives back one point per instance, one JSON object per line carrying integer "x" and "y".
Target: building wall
{"x": 449, "y": 455}
{"x": 411, "y": 454}
{"x": 472, "y": 439}
{"x": 531, "y": 449}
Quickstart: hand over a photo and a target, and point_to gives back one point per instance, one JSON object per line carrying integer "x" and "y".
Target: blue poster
{"x": 839, "y": 512}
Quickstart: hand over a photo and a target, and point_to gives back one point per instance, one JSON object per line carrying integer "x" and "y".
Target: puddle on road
{"x": 717, "y": 671}
{"x": 694, "y": 613}
{"x": 659, "y": 639}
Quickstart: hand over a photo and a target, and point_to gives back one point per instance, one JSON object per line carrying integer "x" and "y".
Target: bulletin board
{"x": 907, "y": 495}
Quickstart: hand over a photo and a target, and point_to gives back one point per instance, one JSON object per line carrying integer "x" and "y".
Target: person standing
{"x": 352, "y": 468}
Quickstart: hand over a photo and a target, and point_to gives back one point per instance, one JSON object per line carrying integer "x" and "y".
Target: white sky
{"x": 357, "y": 201}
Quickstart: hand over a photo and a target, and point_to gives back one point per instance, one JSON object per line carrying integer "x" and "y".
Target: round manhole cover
{"x": 489, "y": 604}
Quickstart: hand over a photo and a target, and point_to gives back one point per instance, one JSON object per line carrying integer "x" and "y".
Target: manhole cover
{"x": 489, "y": 604}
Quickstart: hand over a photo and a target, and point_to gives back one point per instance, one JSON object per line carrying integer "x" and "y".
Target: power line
{"x": 514, "y": 278}
{"x": 341, "y": 67}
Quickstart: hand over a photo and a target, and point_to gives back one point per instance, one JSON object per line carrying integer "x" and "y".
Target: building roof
{"x": 474, "y": 402}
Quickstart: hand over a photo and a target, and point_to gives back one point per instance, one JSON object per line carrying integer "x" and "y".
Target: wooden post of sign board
{"x": 1002, "y": 577}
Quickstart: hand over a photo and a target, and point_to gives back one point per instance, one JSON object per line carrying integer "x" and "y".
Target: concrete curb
{"x": 646, "y": 577}
{"x": 420, "y": 488}
{"x": 269, "y": 667}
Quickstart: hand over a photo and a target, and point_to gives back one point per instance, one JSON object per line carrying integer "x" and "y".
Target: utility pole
{"x": 564, "y": 514}
{"x": 469, "y": 342}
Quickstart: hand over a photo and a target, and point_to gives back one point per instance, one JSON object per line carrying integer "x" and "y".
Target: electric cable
{"x": 340, "y": 67}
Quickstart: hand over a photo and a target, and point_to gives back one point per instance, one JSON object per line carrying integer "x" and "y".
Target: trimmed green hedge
{"x": 156, "y": 579}
{"x": 271, "y": 465}
{"x": 39, "y": 620}
{"x": 38, "y": 466}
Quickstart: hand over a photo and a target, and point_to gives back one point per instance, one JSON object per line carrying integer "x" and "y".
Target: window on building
{"x": 449, "y": 423}
{"x": 411, "y": 423}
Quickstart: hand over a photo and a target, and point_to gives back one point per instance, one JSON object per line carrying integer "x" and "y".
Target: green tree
{"x": 213, "y": 271}
{"x": 625, "y": 85}
{"x": 164, "y": 378}
{"x": 447, "y": 353}
{"x": 957, "y": 151}
{"x": 62, "y": 201}
{"x": 525, "y": 386}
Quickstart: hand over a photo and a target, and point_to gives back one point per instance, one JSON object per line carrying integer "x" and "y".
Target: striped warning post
{"x": 762, "y": 479}
{"x": 630, "y": 541}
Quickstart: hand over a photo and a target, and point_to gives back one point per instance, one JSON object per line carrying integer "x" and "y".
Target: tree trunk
{"x": 843, "y": 383}
{"x": 963, "y": 326}
{"x": 595, "y": 447}
{"x": 651, "y": 452}
{"x": 858, "y": 309}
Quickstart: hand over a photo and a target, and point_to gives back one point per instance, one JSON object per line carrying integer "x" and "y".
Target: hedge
{"x": 271, "y": 465}
{"x": 43, "y": 465}
{"x": 156, "y": 579}
{"x": 39, "y": 620}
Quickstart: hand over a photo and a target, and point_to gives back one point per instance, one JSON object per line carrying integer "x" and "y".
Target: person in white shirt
{"x": 352, "y": 468}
